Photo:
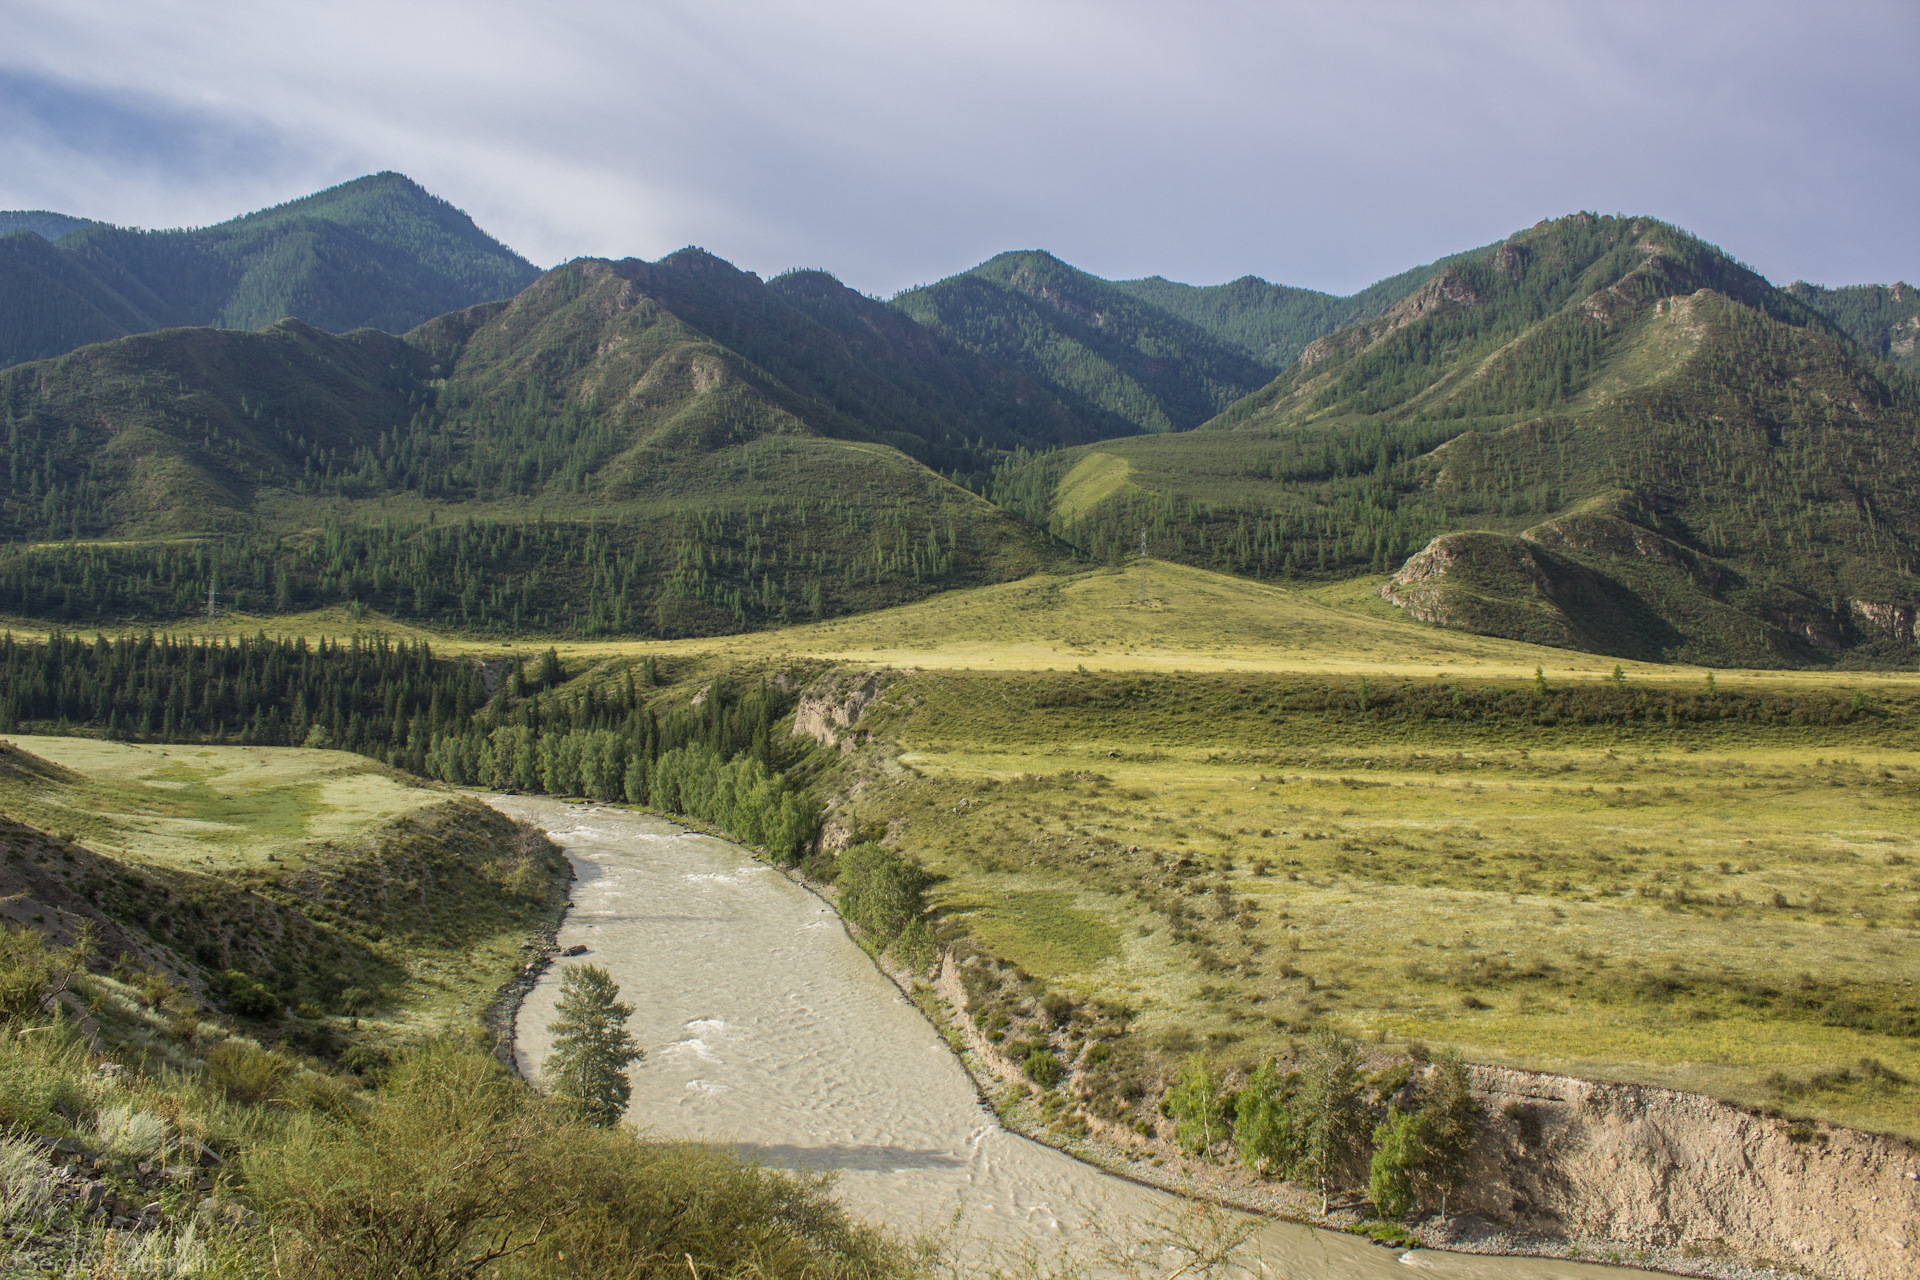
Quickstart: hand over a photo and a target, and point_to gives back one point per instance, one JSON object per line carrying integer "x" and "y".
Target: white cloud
{"x": 1322, "y": 145}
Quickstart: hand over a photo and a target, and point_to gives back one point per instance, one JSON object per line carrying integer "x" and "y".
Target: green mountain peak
{"x": 378, "y": 252}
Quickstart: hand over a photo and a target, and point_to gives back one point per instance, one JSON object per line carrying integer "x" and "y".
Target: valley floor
{"x": 1239, "y": 809}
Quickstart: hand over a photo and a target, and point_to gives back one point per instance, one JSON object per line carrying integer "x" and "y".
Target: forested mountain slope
{"x": 1885, "y": 319}
{"x": 1124, "y": 364}
{"x": 587, "y": 457}
{"x": 1603, "y": 434}
{"x": 378, "y": 251}
{"x": 1273, "y": 323}
{"x": 42, "y": 222}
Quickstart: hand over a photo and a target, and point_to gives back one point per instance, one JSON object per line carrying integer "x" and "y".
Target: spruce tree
{"x": 592, "y": 1047}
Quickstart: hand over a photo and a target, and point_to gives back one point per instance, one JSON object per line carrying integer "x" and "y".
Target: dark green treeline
{"x": 701, "y": 572}
{"x": 719, "y": 761}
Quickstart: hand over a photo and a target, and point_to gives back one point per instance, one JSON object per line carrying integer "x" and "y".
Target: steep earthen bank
{"x": 1581, "y": 1168}
{"x": 1687, "y": 1172}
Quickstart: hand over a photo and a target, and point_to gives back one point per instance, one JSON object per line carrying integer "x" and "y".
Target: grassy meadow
{"x": 1163, "y": 617}
{"x": 1736, "y": 917}
{"x": 313, "y": 872}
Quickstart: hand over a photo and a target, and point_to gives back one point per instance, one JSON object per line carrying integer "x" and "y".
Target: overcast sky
{"x": 1322, "y": 144}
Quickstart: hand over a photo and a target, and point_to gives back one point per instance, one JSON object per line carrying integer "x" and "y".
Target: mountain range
{"x": 377, "y": 252}
{"x": 1600, "y": 433}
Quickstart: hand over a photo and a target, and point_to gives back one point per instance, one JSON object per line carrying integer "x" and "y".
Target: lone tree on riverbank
{"x": 592, "y": 1047}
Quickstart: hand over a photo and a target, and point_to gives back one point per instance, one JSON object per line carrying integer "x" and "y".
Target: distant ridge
{"x": 1127, "y": 364}
{"x": 42, "y": 222}
{"x": 623, "y": 448}
{"x": 378, "y": 252}
{"x": 1885, "y": 319}
{"x": 1273, "y": 323}
{"x": 1602, "y": 434}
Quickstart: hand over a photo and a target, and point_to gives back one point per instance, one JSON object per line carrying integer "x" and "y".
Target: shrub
{"x": 455, "y": 1169}
{"x": 1425, "y": 1148}
{"x": 25, "y": 1190}
{"x": 245, "y": 1072}
{"x": 1044, "y": 1069}
{"x": 248, "y": 998}
{"x": 368, "y": 1064}
{"x": 38, "y": 1075}
{"x": 1263, "y": 1121}
{"x": 880, "y": 891}
{"x": 1400, "y": 1151}
{"x": 1327, "y": 1110}
{"x": 125, "y": 1130}
{"x": 32, "y": 973}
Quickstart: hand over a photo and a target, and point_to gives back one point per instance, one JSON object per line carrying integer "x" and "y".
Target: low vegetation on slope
{"x": 251, "y": 1161}
{"x": 239, "y": 992}
{"x": 286, "y": 880}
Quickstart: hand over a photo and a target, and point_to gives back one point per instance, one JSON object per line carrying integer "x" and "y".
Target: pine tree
{"x": 592, "y": 1047}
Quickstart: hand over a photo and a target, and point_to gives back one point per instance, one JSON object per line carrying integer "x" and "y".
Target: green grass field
{"x": 1725, "y": 908}
{"x": 311, "y": 871}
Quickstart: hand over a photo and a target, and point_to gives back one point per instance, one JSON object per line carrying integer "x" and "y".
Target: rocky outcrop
{"x": 830, "y": 711}
{"x": 1680, "y": 1170}
{"x": 1444, "y": 292}
{"x": 1901, "y": 341}
{"x": 1335, "y": 343}
{"x": 1461, "y": 579}
{"x": 1599, "y": 533}
{"x": 1892, "y": 620}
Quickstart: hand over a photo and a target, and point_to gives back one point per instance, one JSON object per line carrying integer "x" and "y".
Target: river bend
{"x": 766, "y": 1027}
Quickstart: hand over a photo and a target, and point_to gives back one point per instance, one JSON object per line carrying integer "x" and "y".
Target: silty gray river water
{"x": 766, "y": 1027}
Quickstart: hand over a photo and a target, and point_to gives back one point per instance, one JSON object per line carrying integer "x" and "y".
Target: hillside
{"x": 1622, "y": 441}
{"x": 1885, "y": 319}
{"x": 42, "y": 222}
{"x": 1123, "y": 364}
{"x": 587, "y": 458}
{"x": 377, "y": 252}
{"x": 1273, "y": 323}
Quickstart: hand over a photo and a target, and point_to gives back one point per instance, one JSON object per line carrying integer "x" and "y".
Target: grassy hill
{"x": 1124, "y": 364}
{"x": 378, "y": 251}
{"x": 1622, "y": 441}
{"x": 589, "y": 457}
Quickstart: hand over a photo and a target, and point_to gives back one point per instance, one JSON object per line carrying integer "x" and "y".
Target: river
{"x": 766, "y": 1027}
